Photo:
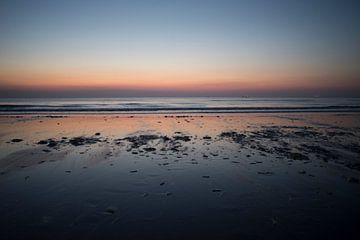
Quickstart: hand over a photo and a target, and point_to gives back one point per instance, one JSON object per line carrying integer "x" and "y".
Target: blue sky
{"x": 297, "y": 40}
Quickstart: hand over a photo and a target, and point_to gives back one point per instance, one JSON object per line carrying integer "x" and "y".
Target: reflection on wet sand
{"x": 219, "y": 176}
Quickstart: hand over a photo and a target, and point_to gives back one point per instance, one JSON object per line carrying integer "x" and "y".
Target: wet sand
{"x": 228, "y": 176}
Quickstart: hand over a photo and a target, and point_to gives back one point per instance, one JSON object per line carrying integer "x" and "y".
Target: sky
{"x": 179, "y": 48}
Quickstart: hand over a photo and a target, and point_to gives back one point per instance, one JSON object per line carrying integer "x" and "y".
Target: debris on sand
{"x": 149, "y": 149}
{"x": 141, "y": 140}
{"x": 271, "y": 133}
{"x": 173, "y": 144}
{"x": 266, "y": 173}
{"x": 216, "y": 190}
{"x": 52, "y": 143}
{"x": 78, "y": 141}
{"x": 184, "y": 138}
{"x": 306, "y": 133}
{"x": 256, "y": 162}
{"x": 110, "y": 210}
{"x": 15, "y": 140}
{"x": 43, "y": 142}
{"x": 236, "y": 137}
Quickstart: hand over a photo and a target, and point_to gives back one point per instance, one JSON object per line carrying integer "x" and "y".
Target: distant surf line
{"x": 16, "y": 109}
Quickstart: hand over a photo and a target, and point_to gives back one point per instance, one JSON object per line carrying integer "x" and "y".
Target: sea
{"x": 175, "y": 105}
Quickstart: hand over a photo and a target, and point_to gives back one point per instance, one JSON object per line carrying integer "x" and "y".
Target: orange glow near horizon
{"x": 211, "y": 80}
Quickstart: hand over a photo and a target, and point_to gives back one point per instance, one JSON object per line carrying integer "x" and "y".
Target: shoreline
{"x": 219, "y": 110}
{"x": 186, "y": 114}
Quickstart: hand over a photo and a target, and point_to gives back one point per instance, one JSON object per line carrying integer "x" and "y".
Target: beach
{"x": 179, "y": 120}
{"x": 180, "y": 176}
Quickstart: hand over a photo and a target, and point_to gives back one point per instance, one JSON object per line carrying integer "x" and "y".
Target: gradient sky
{"x": 179, "y": 48}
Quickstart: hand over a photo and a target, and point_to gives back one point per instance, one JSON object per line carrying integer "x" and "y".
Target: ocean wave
{"x": 178, "y": 105}
{"x": 48, "y": 109}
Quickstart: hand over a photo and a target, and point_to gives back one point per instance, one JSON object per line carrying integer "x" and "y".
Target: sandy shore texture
{"x": 232, "y": 176}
